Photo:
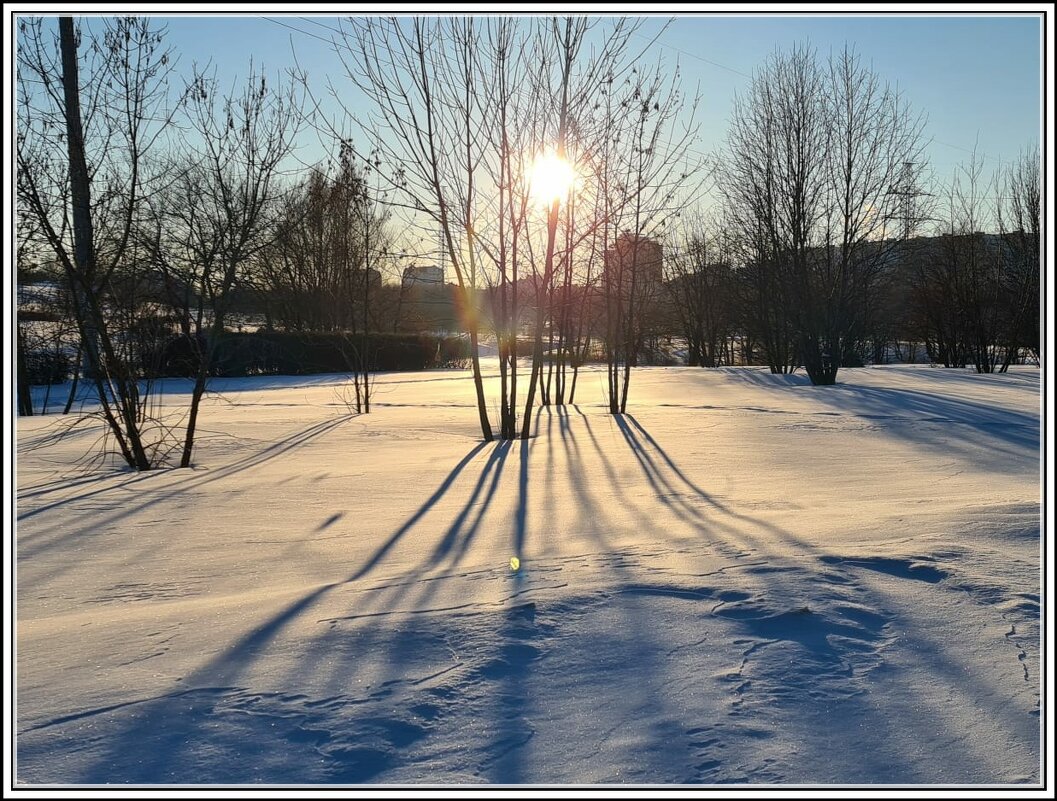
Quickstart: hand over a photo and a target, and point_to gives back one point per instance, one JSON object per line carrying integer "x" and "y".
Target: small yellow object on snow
{"x": 515, "y": 563}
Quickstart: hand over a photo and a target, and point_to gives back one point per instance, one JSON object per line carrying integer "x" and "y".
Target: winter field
{"x": 746, "y": 580}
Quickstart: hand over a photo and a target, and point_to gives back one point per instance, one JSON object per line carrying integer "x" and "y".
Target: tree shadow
{"x": 996, "y": 427}
{"x": 986, "y": 434}
{"x": 167, "y": 729}
{"x": 795, "y": 620}
{"x": 330, "y": 521}
{"x": 188, "y": 734}
{"x": 763, "y": 378}
{"x": 50, "y": 538}
{"x": 190, "y": 480}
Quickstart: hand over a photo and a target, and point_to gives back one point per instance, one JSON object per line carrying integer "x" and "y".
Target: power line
{"x": 695, "y": 55}
{"x": 304, "y": 33}
{"x": 970, "y": 150}
{"x": 746, "y": 75}
{"x": 314, "y": 21}
{"x": 321, "y": 25}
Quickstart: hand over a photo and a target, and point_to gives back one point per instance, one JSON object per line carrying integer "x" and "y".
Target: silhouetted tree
{"x": 83, "y": 174}
{"x": 1019, "y": 222}
{"x": 699, "y": 291}
{"x": 228, "y": 193}
{"x": 816, "y": 164}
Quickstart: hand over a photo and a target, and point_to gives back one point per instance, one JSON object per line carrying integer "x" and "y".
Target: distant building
{"x": 374, "y": 277}
{"x": 428, "y": 304}
{"x": 426, "y": 276}
{"x": 634, "y": 255}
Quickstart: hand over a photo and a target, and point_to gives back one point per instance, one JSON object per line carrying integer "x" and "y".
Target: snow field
{"x": 747, "y": 580}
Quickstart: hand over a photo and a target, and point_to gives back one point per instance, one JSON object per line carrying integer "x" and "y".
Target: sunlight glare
{"x": 551, "y": 177}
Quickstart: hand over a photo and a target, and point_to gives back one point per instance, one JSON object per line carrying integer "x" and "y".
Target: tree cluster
{"x": 165, "y": 210}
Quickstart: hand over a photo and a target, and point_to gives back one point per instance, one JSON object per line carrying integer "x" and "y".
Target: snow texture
{"x": 747, "y": 579}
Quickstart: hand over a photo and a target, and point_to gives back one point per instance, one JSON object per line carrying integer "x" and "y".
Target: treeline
{"x": 170, "y": 210}
{"x": 957, "y": 299}
{"x": 300, "y": 353}
{"x": 174, "y": 202}
{"x": 823, "y": 201}
{"x": 163, "y": 203}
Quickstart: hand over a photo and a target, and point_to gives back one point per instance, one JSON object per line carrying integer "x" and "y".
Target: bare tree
{"x": 1019, "y": 221}
{"x": 815, "y": 157}
{"x": 699, "y": 293}
{"x": 460, "y": 110}
{"x": 506, "y": 51}
{"x": 873, "y": 153}
{"x": 569, "y": 38}
{"x": 83, "y": 173}
{"x": 363, "y": 225}
{"x": 420, "y": 116}
{"x": 771, "y": 177}
{"x": 648, "y": 177}
{"x": 227, "y": 198}
{"x": 538, "y": 114}
{"x": 971, "y": 267}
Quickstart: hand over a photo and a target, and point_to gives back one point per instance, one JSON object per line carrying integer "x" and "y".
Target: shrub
{"x": 452, "y": 352}
{"x": 179, "y": 356}
{"x": 46, "y": 367}
{"x": 269, "y": 352}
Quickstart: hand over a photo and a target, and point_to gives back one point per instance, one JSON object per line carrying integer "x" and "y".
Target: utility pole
{"x": 907, "y": 193}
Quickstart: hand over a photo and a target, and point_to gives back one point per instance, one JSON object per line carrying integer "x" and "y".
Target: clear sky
{"x": 978, "y": 78}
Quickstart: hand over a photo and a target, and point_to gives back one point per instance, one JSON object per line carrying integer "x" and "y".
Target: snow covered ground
{"x": 747, "y": 579}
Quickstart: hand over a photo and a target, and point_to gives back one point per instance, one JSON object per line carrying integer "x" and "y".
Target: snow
{"x": 746, "y": 580}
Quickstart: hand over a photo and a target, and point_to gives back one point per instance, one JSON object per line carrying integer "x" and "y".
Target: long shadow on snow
{"x": 994, "y": 425}
{"x": 763, "y": 378}
{"x": 173, "y": 724}
{"x": 969, "y": 429}
{"x": 799, "y": 624}
{"x": 672, "y": 732}
{"x": 176, "y": 724}
{"x": 967, "y": 376}
{"x": 770, "y": 606}
{"x": 30, "y": 545}
{"x": 649, "y": 667}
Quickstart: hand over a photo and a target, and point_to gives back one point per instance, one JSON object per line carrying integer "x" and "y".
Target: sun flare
{"x": 551, "y": 177}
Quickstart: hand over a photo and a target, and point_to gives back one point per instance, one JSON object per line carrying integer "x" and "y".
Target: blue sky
{"x": 970, "y": 75}
{"x": 977, "y": 78}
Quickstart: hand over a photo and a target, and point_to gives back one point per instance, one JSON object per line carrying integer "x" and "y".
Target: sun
{"x": 551, "y": 177}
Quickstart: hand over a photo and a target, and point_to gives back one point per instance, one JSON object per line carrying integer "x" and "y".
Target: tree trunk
{"x": 537, "y": 351}
{"x": 126, "y": 432}
{"x": 475, "y": 361}
{"x": 76, "y": 376}
{"x": 25, "y": 400}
